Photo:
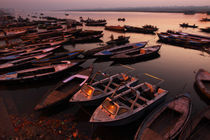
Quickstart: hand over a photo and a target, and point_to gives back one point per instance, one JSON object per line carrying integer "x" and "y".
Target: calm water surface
{"x": 177, "y": 66}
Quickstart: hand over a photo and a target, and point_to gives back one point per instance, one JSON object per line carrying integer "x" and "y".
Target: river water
{"x": 177, "y": 66}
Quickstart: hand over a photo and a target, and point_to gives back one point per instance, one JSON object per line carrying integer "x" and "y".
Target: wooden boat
{"x": 85, "y": 39}
{"x": 151, "y": 27}
{"x": 27, "y": 54}
{"x": 207, "y": 30}
{"x": 91, "y": 20}
{"x": 167, "y": 121}
{"x": 21, "y": 63}
{"x": 121, "y": 19}
{"x": 95, "y": 23}
{"x": 39, "y": 73}
{"x": 91, "y": 52}
{"x": 13, "y": 34}
{"x": 185, "y": 25}
{"x": 120, "y": 49}
{"x": 94, "y": 93}
{"x": 88, "y": 32}
{"x": 128, "y": 105}
{"x": 184, "y": 39}
{"x": 145, "y": 30}
{"x": 115, "y": 28}
{"x": 121, "y": 40}
{"x": 65, "y": 89}
{"x": 140, "y": 53}
{"x": 202, "y": 78}
{"x": 23, "y": 49}
{"x": 59, "y": 57}
{"x": 198, "y": 127}
{"x": 56, "y": 41}
{"x": 205, "y": 19}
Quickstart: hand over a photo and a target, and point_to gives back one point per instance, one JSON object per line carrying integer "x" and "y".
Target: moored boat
{"x": 121, "y": 19}
{"x": 28, "y": 54}
{"x": 147, "y": 29}
{"x": 58, "y": 57}
{"x": 39, "y": 73}
{"x": 207, "y": 30}
{"x": 95, "y": 23}
{"x": 167, "y": 121}
{"x": 205, "y": 19}
{"x": 65, "y": 89}
{"x": 94, "y": 93}
{"x": 85, "y": 39}
{"x": 140, "y": 53}
{"x": 129, "y": 105}
{"x": 88, "y": 32}
{"x": 202, "y": 78}
{"x": 121, "y": 40}
{"x": 184, "y": 39}
{"x": 120, "y": 49}
{"x": 21, "y": 63}
{"x": 198, "y": 127}
{"x": 185, "y": 25}
{"x": 115, "y": 28}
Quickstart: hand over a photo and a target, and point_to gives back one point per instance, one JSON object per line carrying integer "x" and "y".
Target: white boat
{"x": 91, "y": 94}
{"x": 129, "y": 105}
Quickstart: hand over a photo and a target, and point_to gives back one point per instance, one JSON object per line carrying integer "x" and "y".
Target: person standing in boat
{"x": 112, "y": 37}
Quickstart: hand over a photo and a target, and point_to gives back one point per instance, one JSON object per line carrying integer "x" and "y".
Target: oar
{"x": 147, "y": 74}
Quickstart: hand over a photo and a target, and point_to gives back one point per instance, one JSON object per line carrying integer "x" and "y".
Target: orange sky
{"x": 79, "y": 4}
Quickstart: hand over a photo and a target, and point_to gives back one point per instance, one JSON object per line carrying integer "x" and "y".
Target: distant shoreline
{"x": 176, "y": 9}
{"x": 127, "y": 11}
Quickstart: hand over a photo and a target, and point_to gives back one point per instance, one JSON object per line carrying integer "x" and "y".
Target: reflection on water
{"x": 177, "y": 66}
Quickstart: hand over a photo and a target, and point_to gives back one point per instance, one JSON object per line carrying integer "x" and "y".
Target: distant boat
{"x": 121, "y": 19}
{"x": 65, "y": 89}
{"x": 121, "y": 40}
{"x": 184, "y": 39}
{"x": 207, "y": 30}
{"x": 85, "y": 39}
{"x": 167, "y": 121}
{"x": 198, "y": 127}
{"x": 147, "y": 29}
{"x": 129, "y": 105}
{"x": 115, "y": 28}
{"x": 185, "y": 25}
{"x": 202, "y": 78}
{"x": 95, "y": 23}
{"x": 88, "y": 32}
{"x": 205, "y": 19}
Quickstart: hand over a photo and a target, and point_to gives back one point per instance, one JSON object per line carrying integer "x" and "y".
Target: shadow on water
{"x": 128, "y": 61}
{"x": 198, "y": 48}
{"x": 134, "y": 61}
{"x": 125, "y": 132}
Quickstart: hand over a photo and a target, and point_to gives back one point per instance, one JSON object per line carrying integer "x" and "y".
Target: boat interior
{"x": 35, "y": 72}
{"x": 135, "y": 98}
{"x": 73, "y": 83}
{"x": 165, "y": 121}
{"x": 201, "y": 131}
